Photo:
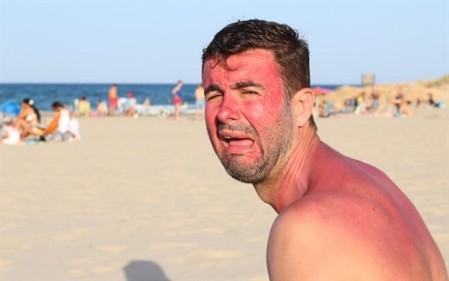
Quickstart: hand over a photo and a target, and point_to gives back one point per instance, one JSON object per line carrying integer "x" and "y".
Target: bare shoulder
{"x": 335, "y": 239}
{"x": 305, "y": 243}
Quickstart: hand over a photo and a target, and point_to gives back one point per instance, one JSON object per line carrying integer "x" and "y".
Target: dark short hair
{"x": 27, "y": 101}
{"x": 290, "y": 52}
{"x": 56, "y": 104}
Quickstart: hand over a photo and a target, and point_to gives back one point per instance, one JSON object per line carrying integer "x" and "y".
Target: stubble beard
{"x": 278, "y": 141}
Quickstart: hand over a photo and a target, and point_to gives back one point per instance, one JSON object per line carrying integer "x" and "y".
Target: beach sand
{"x": 148, "y": 197}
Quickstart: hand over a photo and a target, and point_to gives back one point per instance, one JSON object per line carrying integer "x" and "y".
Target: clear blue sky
{"x": 134, "y": 41}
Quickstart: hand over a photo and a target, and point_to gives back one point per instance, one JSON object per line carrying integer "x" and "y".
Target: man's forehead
{"x": 243, "y": 57}
{"x": 243, "y": 70}
{"x": 257, "y": 60}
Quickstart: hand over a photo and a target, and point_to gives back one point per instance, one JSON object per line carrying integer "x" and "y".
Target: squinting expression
{"x": 248, "y": 122}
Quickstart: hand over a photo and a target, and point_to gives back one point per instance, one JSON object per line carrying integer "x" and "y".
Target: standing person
{"x": 398, "y": 100}
{"x": 177, "y": 99}
{"x": 113, "y": 99}
{"x": 361, "y": 103}
{"x": 199, "y": 96}
{"x": 430, "y": 100}
{"x": 375, "y": 102}
{"x": 338, "y": 218}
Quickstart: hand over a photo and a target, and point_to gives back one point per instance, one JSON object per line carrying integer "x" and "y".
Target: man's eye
{"x": 249, "y": 93}
{"x": 213, "y": 95}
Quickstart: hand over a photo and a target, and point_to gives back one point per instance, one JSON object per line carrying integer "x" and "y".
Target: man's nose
{"x": 229, "y": 110}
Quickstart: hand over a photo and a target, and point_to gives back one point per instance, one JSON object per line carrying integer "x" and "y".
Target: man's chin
{"x": 249, "y": 175}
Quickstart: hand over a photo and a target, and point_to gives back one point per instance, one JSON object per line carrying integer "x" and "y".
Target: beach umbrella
{"x": 10, "y": 107}
{"x": 318, "y": 91}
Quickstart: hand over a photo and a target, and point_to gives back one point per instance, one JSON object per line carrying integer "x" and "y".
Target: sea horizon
{"x": 44, "y": 93}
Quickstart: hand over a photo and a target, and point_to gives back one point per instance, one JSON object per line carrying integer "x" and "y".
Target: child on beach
{"x": 10, "y": 132}
{"x": 74, "y": 128}
{"x": 130, "y": 106}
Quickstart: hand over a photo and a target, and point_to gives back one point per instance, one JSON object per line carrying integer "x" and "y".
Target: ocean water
{"x": 45, "y": 94}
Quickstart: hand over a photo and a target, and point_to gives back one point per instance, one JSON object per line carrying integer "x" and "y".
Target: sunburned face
{"x": 248, "y": 122}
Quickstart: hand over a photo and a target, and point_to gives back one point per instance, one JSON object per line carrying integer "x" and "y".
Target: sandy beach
{"x": 147, "y": 199}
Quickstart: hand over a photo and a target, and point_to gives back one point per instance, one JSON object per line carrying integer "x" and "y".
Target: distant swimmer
{"x": 338, "y": 218}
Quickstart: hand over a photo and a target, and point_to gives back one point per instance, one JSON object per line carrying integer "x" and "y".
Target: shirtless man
{"x": 339, "y": 218}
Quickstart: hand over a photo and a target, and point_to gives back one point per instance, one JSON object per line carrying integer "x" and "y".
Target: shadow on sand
{"x": 144, "y": 271}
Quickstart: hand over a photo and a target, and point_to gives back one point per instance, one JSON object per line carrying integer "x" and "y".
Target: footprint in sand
{"x": 102, "y": 269}
{"x": 207, "y": 258}
{"x": 204, "y": 230}
{"x": 180, "y": 223}
{"x": 113, "y": 249}
{"x": 216, "y": 254}
{"x": 258, "y": 238}
{"x": 71, "y": 234}
{"x": 76, "y": 272}
{"x": 81, "y": 262}
{"x": 164, "y": 246}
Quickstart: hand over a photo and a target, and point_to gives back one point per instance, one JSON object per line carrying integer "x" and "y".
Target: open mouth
{"x": 236, "y": 142}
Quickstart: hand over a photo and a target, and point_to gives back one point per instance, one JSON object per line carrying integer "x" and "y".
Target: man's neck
{"x": 290, "y": 182}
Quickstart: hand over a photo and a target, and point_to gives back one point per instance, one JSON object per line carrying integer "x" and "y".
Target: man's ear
{"x": 302, "y": 106}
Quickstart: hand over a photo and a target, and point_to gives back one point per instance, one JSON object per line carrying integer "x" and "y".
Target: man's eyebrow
{"x": 236, "y": 86}
{"x": 240, "y": 85}
{"x": 212, "y": 88}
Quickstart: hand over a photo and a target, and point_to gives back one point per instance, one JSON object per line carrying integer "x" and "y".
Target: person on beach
{"x": 146, "y": 106}
{"x": 102, "y": 108}
{"x": 338, "y": 218}
{"x": 177, "y": 99}
{"x": 10, "y": 133}
{"x": 84, "y": 107}
{"x": 113, "y": 99}
{"x": 130, "y": 106}
{"x": 398, "y": 101}
{"x": 29, "y": 119}
{"x": 199, "y": 96}
{"x": 58, "y": 128}
{"x": 73, "y": 130}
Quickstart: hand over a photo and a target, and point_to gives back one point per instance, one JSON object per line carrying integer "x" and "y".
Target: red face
{"x": 247, "y": 119}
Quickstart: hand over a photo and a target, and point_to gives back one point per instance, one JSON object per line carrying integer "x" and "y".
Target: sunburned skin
{"x": 339, "y": 218}
{"x": 242, "y": 113}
